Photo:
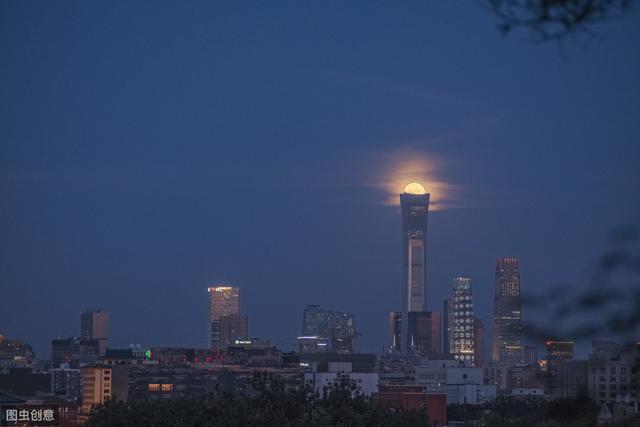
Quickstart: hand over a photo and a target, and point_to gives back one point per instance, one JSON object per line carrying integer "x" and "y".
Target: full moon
{"x": 414, "y": 188}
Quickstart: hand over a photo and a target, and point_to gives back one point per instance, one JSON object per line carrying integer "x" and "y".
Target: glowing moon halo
{"x": 414, "y": 188}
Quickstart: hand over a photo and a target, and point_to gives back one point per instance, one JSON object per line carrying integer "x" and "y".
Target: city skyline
{"x": 334, "y": 331}
{"x": 299, "y": 213}
{"x": 507, "y": 331}
{"x": 454, "y": 336}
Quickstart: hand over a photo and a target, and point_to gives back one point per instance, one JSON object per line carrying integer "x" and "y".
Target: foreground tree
{"x": 512, "y": 411}
{"x": 270, "y": 403}
{"x": 556, "y": 19}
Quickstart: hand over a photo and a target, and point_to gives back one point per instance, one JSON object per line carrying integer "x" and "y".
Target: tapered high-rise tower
{"x": 414, "y": 206}
{"x": 508, "y": 345}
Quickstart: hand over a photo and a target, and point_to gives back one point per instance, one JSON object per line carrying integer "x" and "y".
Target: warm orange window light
{"x": 220, "y": 289}
{"x": 154, "y": 387}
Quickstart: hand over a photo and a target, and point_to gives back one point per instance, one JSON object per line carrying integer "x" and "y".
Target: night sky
{"x": 149, "y": 150}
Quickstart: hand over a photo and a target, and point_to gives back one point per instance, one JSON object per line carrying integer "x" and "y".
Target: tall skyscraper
{"x": 462, "y": 329}
{"x": 223, "y": 301}
{"x": 336, "y": 327}
{"x": 95, "y": 325}
{"x": 508, "y": 345}
{"x": 414, "y": 207}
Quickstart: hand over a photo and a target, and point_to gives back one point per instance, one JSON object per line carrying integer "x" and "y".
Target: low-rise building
{"x": 96, "y": 386}
{"x": 607, "y": 378}
{"x": 412, "y": 397}
{"x": 529, "y": 392}
{"x": 74, "y": 351}
{"x": 15, "y": 354}
{"x": 571, "y": 379}
{"x": 496, "y": 374}
{"x": 321, "y": 379}
{"x": 612, "y": 381}
{"x": 313, "y": 344}
{"x": 461, "y": 383}
{"x": 66, "y": 383}
{"x": 24, "y": 382}
{"x": 360, "y": 362}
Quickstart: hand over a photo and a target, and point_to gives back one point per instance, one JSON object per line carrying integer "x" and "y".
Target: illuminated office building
{"x": 462, "y": 338}
{"x": 414, "y": 207}
{"x": 223, "y": 301}
{"x": 508, "y": 346}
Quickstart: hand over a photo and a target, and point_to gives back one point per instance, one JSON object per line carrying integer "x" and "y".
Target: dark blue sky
{"x": 150, "y": 150}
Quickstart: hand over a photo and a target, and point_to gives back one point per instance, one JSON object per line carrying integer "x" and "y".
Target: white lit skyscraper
{"x": 462, "y": 330}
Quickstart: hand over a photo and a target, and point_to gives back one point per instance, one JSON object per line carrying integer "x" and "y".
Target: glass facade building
{"x": 414, "y": 207}
{"x": 233, "y": 327}
{"x": 95, "y": 325}
{"x": 424, "y": 333}
{"x": 223, "y": 301}
{"x": 336, "y": 327}
{"x": 74, "y": 351}
{"x": 508, "y": 342}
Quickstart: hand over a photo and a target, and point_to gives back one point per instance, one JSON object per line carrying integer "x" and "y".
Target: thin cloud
{"x": 389, "y": 171}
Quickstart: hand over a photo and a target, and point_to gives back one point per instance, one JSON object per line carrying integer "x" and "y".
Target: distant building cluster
{"x": 456, "y": 333}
